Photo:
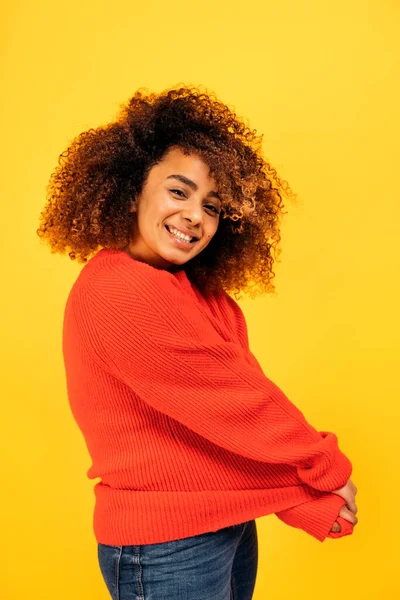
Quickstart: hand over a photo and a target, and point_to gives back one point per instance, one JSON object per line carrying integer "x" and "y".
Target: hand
{"x": 348, "y": 512}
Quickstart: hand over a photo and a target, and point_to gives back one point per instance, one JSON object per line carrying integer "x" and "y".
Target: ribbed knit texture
{"x": 185, "y": 430}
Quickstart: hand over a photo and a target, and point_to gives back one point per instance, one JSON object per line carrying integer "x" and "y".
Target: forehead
{"x": 190, "y": 165}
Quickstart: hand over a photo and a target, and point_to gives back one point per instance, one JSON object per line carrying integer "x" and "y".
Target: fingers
{"x": 349, "y": 511}
{"x": 348, "y": 515}
{"x": 351, "y": 505}
{"x": 336, "y": 527}
{"x": 348, "y": 493}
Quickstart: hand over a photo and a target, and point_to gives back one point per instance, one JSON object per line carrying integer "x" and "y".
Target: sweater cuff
{"x": 316, "y": 517}
{"x": 327, "y": 475}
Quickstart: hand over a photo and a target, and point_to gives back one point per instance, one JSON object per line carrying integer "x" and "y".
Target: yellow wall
{"x": 319, "y": 80}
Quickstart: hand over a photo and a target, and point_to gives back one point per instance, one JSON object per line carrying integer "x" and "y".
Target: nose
{"x": 193, "y": 212}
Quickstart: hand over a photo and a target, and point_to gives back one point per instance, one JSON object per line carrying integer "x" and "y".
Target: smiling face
{"x": 179, "y": 198}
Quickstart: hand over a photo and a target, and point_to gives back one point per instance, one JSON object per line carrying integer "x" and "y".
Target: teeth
{"x": 180, "y": 235}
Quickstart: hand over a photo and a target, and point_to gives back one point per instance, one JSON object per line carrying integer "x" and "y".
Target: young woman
{"x": 177, "y": 210}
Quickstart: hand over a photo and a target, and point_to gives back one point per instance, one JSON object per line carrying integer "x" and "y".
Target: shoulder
{"x": 112, "y": 281}
{"x": 234, "y": 316}
{"x": 230, "y": 305}
{"x": 112, "y": 272}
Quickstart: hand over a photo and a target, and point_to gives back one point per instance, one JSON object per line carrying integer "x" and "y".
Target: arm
{"x": 315, "y": 517}
{"x": 235, "y": 314}
{"x": 160, "y": 345}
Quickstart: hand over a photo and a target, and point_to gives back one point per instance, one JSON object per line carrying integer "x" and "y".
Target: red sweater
{"x": 183, "y": 427}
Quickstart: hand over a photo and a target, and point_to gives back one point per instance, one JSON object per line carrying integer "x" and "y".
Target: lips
{"x": 184, "y": 231}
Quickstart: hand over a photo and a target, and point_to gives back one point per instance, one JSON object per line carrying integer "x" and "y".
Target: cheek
{"x": 210, "y": 235}
{"x": 168, "y": 206}
{"x": 213, "y": 230}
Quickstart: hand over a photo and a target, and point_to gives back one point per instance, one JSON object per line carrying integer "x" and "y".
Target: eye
{"x": 213, "y": 208}
{"x": 178, "y": 192}
{"x": 181, "y": 194}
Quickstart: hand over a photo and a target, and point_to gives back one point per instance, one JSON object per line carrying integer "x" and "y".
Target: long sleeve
{"x": 153, "y": 338}
{"x": 316, "y": 517}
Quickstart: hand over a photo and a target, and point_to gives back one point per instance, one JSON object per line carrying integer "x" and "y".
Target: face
{"x": 179, "y": 199}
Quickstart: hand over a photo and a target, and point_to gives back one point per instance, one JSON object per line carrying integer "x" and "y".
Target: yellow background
{"x": 320, "y": 80}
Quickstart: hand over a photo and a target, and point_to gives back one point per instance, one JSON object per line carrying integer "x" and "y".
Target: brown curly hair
{"x": 90, "y": 191}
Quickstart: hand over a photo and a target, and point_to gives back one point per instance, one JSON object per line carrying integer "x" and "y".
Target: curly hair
{"x": 90, "y": 192}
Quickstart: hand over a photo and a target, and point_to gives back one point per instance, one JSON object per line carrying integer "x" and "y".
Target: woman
{"x": 177, "y": 209}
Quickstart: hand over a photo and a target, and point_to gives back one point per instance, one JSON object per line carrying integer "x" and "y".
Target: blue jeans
{"x": 217, "y": 565}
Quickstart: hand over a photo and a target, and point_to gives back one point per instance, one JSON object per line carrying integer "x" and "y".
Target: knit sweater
{"x": 184, "y": 429}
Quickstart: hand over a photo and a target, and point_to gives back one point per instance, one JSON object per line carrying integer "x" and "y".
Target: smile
{"x": 180, "y": 239}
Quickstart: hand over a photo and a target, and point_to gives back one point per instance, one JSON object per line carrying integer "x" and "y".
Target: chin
{"x": 169, "y": 261}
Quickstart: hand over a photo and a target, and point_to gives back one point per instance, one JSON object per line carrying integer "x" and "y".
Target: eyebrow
{"x": 192, "y": 185}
